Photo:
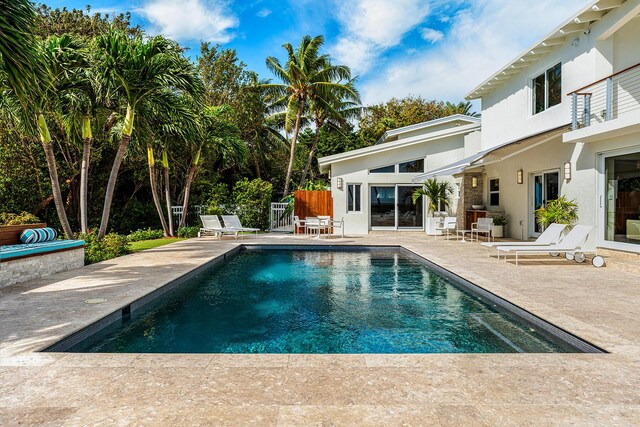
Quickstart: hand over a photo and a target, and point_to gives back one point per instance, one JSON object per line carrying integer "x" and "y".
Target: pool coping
{"x": 554, "y": 331}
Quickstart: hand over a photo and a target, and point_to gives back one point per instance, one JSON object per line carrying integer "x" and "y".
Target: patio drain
{"x": 95, "y": 300}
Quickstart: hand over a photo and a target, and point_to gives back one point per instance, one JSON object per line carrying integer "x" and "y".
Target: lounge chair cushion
{"x": 14, "y": 251}
{"x": 38, "y": 235}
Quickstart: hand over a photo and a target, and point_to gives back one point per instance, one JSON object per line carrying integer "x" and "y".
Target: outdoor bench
{"x": 20, "y": 262}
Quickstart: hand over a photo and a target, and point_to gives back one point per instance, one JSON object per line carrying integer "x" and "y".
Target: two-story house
{"x": 563, "y": 118}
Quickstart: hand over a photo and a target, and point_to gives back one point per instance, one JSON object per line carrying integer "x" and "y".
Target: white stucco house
{"x": 372, "y": 186}
{"x": 562, "y": 118}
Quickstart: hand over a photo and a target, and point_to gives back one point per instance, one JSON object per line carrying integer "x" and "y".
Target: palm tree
{"x": 18, "y": 52}
{"x": 461, "y": 108}
{"x": 436, "y": 191}
{"x": 304, "y": 74}
{"x": 219, "y": 140}
{"x": 334, "y": 107}
{"x": 61, "y": 57}
{"x": 140, "y": 70}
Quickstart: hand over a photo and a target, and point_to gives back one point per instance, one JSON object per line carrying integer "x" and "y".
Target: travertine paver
{"x": 204, "y": 389}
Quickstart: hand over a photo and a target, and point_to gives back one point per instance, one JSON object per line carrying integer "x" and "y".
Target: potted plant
{"x": 559, "y": 211}
{"x": 437, "y": 194}
{"x": 499, "y": 222}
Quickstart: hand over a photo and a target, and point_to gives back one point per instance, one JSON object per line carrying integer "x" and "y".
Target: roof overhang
{"x": 426, "y": 125}
{"x": 578, "y": 22}
{"x": 324, "y": 163}
{"x": 495, "y": 154}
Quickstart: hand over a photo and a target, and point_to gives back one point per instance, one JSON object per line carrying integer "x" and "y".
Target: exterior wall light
{"x": 567, "y": 171}
{"x": 519, "y": 177}
{"x": 339, "y": 183}
{"x": 474, "y": 181}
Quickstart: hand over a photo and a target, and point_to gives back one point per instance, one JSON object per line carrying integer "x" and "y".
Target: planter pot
{"x": 431, "y": 224}
{"x": 498, "y": 231}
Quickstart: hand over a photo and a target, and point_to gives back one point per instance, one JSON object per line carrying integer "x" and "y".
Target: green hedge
{"x": 111, "y": 246}
{"x": 7, "y": 218}
{"x": 145, "y": 234}
{"x": 252, "y": 201}
{"x": 188, "y": 232}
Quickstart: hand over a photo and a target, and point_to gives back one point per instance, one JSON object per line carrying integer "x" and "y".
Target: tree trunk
{"x": 256, "y": 164}
{"x": 292, "y": 153}
{"x": 84, "y": 178}
{"x": 187, "y": 188}
{"x": 113, "y": 176}
{"x": 154, "y": 190}
{"x": 311, "y": 153}
{"x": 167, "y": 196}
{"x": 57, "y": 194}
{"x": 45, "y": 137}
{"x": 111, "y": 185}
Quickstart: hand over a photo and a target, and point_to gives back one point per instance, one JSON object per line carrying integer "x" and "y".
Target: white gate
{"x": 177, "y": 212}
{"x": 279, "y": 219}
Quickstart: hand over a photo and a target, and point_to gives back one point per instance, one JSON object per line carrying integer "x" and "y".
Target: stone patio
{"x": 599, "y": 305}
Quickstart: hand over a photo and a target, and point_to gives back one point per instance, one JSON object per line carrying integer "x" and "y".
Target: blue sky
{"x": 439, "y": 49}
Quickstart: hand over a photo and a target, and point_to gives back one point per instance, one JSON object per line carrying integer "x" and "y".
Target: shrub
{"x": 253, "y": 202}
{"x": 17, "y": 219}
{"x": 111, "y": 246}
{"x": 559, "y": 211}
{"x": 145, "y": 234}
{"x": 188, "y": 232}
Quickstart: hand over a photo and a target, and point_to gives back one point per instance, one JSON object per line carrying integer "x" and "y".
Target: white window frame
{"x": 489, "y": 192}
{"x": 395, "y": 170}
{"x": 424, "y": 164}
{"x": 532, "y": 100}
{"x": 349, "y": 184}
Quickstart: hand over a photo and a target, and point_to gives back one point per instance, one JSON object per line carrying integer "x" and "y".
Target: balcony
{"x": 614, "y": 97}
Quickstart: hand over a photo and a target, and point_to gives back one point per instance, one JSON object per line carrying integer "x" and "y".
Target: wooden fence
{"x": 313, "y": 203}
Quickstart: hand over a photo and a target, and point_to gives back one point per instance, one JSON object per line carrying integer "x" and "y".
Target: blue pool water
{"x": 289, "y": 301}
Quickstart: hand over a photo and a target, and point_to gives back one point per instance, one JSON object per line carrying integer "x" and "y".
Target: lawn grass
{"x": 150, "y": 244}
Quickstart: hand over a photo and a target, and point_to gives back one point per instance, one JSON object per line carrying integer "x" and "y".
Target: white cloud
{"x": 208, "y": 20}
{"x": 431, "y": 35}
{"x": 263, "y": 13}
{"x": 480, "y": 40}
{"x": 369, "y": 27}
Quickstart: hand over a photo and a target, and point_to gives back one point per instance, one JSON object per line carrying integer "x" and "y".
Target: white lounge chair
{"x": 211, "y": 224}
{"x": 573, "y": 246}
{"x": 313, "y": 225}
{"x": 484, "y": 225}
{"x": 233, "y": 222}
{"x": 448, "y": 225}
{"x": 550, "y": 236}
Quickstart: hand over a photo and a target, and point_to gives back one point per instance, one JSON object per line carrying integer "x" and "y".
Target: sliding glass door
{"x": 392, "y": 207}
{"x": 622, "y": 201}
{"x": 546, "y": 187}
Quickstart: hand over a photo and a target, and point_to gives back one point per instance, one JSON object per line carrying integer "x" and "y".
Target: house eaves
{"x": 325, "y": 162}
{"x": 426, "y": 125}
{"x": 577, "y": 23}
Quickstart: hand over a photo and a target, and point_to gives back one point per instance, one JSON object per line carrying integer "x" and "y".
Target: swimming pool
{"x": 326, "y": 300}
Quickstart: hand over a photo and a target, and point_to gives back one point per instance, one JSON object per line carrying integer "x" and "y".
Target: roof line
{"x": 474, "y": 93}
{"x": 429, "y": 123}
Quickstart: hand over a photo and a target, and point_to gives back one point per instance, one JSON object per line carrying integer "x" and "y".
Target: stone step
{"x": 520, "y": 340}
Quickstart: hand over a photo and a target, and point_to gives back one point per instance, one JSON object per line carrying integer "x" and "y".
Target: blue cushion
{"x": 37, "y": 235}
{"x": 14, "y": 251}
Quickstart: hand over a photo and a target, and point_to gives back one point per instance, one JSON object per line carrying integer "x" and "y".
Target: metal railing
{"x": 279, "y": 219}
{"x": 606, "y": 99}
{"x": 192, "y": 216}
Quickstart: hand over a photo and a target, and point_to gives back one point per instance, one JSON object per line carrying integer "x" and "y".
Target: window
{"x": 353, "y": 198}
{"x": 384, "y": 169}
{"x": 412, "y": 167}
{"x": 494, "y": 192}
{"x": 547, "y": 89}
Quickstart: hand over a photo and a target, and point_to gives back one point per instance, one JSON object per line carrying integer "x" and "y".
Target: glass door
{"x": 410, "y": 215}
{"x": 622, "y": 201}
{"x": 546, "y": 187}
{"x": 383, "y": 206}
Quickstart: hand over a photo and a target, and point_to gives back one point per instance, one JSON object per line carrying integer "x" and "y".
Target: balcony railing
{"x": 606, "y": 99}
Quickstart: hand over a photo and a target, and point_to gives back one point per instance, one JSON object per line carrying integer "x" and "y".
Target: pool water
{"x": 314, "y": 301}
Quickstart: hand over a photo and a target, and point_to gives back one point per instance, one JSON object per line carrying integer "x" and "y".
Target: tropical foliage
{"x": 559, "y": 211}
{"x": 104, "y": 128}
{"x": 437, "y": 193}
